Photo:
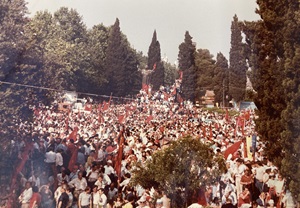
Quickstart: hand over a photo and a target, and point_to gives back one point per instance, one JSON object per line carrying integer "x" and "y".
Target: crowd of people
{"x": 74, "y": 160}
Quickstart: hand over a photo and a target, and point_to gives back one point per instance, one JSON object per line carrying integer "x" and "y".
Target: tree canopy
{"x": 185, "y": 165}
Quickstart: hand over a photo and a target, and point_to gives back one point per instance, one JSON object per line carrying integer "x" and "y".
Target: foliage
{"x": 220, "y": 79}
{"x": 273, "y": 53}
{"x": 186, "y": 61}
{"x": 120, "y": 62}
{"x": 186, "y": 165}
{"x": 205, "y": 65}
{"x": 155, "y": 63}
{"x": 170, "y": 74}
{"x": 238, "y": 66}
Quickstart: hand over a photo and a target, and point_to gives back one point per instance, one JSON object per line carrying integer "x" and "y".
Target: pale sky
{"x": 208, "y": 21}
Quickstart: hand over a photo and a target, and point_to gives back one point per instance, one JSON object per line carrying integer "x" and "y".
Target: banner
{"x": 248, "y": 147}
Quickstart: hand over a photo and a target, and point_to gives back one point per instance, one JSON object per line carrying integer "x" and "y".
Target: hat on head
{"x": 109, "y": 161}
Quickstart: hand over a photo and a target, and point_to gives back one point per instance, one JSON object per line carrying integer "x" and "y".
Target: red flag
{"x": 105, "y": 106}
{"x": 174, "y": 90}
{"x": 216, "y": 126}
{"x": 73, "y": 134}
{"x": 154, "y": 66}
{"x": 121, "y": 118}
{"x": 204, "y": 131}
{"x": 240, "y": 121}
{"x": 118, "y": 163}
{"x": 19, "y": 168}
{"x": 243, "y": 128}
{"x": 227, "y": 115}
{"x": 73, "y": 159}
{"x": 145, "y": 87}
{"x": 88, "y": 107}
{"x": 149, "y": 118}
{"x": 232, "y": 149}
{"x": 247, "y": 115}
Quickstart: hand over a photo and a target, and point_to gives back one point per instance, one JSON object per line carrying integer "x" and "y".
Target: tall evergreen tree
{"x": 221, "y": 79}
{"x": 238, "y": 65}
{"x": 290, "y": 166}
{"x": 205, "y": 65}
{"x": 154, "y": 63}
{"x": 275, "y": 60}
{"x": 186, "y": 61}
{"x": 115, "y": 68}
{"x": 120, "y": 63}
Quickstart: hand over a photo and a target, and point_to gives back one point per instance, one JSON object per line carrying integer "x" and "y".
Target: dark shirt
{"x": 64, "y": 198}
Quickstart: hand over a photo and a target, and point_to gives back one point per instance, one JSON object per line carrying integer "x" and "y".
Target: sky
{"x": 208, "y": 21}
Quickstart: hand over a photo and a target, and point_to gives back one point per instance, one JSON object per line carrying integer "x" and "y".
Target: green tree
{"x": 220, "y": 79}
{"x": 274, "y": 59}
{"x": 186, "y": 62}
{"x": 205, "y": 65}
{"x": 12, "y": 39}
{"x": 290, "y": 166}
{"x": 155, "y": 63}
{"x": 97, "y": 46}
{"x": 120, "y": 63}
{"x": 184, "y": 165}
{"x": 238, "y": 66}
{"x": 170, "y": 74}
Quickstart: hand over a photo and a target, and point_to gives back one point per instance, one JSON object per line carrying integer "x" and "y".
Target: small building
{"x": 208, "y": 100}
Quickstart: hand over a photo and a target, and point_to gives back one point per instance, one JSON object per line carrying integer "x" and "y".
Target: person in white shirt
{"x": 26, "y": 195}
{"x": 238, "y": 172}
{"x": 103, "y": 181}
{"x": 62, "y": 177}
{"x": 102, "y": 199}
{"x": 108, "y": 169}
{"x": 50, "y": 158}
{"x": 59, "y": 160}
{"x": 85, "y": 198}
{"x": 35, "y": 179}
{"x": 95, "y": 197}
{"x": 79, "y": 184}
{"x": 259, "y": 172}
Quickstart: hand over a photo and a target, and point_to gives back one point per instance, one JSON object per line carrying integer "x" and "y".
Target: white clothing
{"x": 58, "y": 159}
{"x": 26, "y": 196}
{"x": 50, "y": 157}
{"x": 78, "y": 184}
{"x": 84, "y": 199}
{"x": 103, "y": 201}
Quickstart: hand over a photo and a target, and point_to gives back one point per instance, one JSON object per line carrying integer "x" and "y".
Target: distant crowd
{"x": 74, "y": 159}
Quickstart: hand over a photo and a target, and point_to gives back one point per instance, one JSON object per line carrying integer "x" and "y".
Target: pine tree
{"x": 186, "y": 62}
{"x": 238, "y": 66}
{"x": 221, "y": 79}
{"x": 154, "y": 63}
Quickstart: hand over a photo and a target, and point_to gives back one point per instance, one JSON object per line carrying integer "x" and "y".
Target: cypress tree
{"x": 290, "y": 167}
{"x": 115, "y": 67}
{"x": 186, "y": 61}
{"x": 154, "y": 63}
{"x": 238, "y": 66}
{"x": 221, "y": 79}
{"x": 205, "y": 65}
{"x": 275, "y": 58}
